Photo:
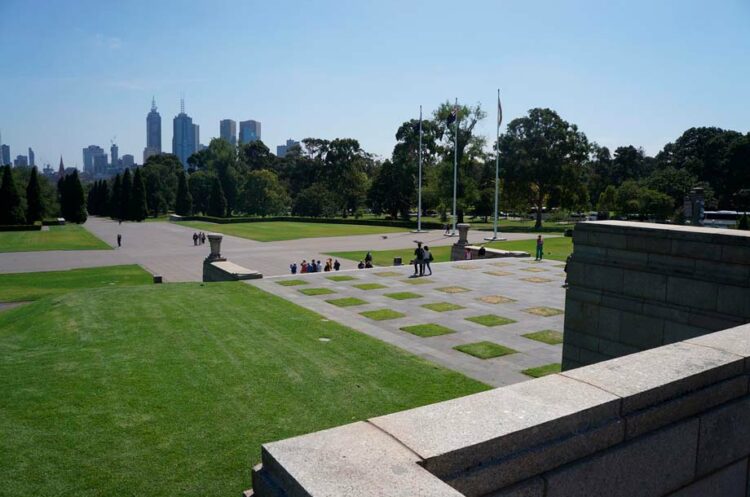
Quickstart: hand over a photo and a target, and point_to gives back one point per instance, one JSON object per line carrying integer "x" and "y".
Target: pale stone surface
{"x": 656, "y": 375}
{"x": 735, "y": 340}
{"x": 356, "y": 459}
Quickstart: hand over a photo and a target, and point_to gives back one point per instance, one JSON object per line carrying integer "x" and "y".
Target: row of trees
{"x": 126, "y": 200}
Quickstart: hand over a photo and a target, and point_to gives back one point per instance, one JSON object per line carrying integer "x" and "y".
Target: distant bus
{"x": 722, "y": 219}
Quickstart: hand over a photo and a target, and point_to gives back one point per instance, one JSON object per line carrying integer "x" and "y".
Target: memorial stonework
{"x": 461, "y": 247}
{"x": 217, "y": 268}
{"x": 635, "y": 286}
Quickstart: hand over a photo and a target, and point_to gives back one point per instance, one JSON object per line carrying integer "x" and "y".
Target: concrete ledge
{"x": 223, "y": 270}
{"x": 491, "y": 253}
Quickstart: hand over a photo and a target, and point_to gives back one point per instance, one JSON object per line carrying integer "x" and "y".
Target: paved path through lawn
{"x": 517, "y": 285}
{"x": 167, "y": 249}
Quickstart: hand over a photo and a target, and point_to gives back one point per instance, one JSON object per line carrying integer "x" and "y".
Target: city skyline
{"x": 626, "y": 74}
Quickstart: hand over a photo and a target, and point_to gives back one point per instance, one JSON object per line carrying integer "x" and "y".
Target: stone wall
{"x": 634, "y": 286}
{"x": 670, "y": 421}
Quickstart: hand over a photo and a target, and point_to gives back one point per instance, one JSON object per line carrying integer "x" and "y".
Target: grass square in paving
{"x": 467, "y": 266}
{"x": 495, "y": 299}
{"x": 369, "y": 286}
{"x": 543, "y": 311}
{"x": 347, "y": 302}
{"x": 443, "y": 306}
{"x": 403, "y": 295}
{"x": 533, "y": 269}
{"x": 536, "y": 279}
{"x": 540, "y": 371}
{"x": 342, "y": 277}
{"x": 484, "y": 350}
{"x": 417, "y": 281}
{"x": 427, "y": 330}
{"x": 490, "y": 320}
{"x": 382, "y": 314}
{"x": 387, "y": 274}
{"x": 453, "y": 289}
{"x": 291, "y": 282}
{"x": 550, "y": 337}
{"x": 501, "y": 264}
{"x": 498, "y": 273}
{"x": 316, "y": 291}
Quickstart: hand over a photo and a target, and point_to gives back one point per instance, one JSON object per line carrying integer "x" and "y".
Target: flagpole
{"x": 419, "y": 186}
{"x": 497, "y": 168}
{"x": 455, "y": 169}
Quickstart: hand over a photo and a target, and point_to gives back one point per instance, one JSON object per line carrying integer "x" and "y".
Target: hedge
{"x": 20, "y": 227}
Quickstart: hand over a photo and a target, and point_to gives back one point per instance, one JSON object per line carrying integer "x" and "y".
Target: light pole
{"x": 497, "y": 168}
{"x": 419, "y": 186}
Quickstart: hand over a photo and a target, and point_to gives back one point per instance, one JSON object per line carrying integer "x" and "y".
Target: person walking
{"x": 195, "y": 238}
{"x": 119, "y": 240}
{"x": 336, "y": 265}
{"x": 203, "y": 238}
{"x": 293, "y": 267}
{"x": 428, "y": 258}
{"x": 419, "y": 260}
{"x": 539, "y": 248}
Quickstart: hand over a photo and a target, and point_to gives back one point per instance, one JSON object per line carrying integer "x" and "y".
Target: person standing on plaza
{"x": 539, "y": 248}
{"x": 119, "y": 240}
{"x": 419, "y": 260}
{"x": 428, "y": 258}
{"x": 195, "y": 238}
{"x": 336, "y": 265}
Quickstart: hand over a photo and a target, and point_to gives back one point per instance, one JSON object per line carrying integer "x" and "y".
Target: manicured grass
{"x": 484, "y": 350}
{"x": 427, "y": 330}
{"x": 388, "y": 274}
{"x": 443, "y": 307}
{"x": 66, "y": 237}
{"x": 490, "y": 320}
{"x": 369, "y": 286}
{"x": 417, "y": 281}
{"x": 556, "y": 248}
{"x": 16, "y": 287}
{"x": 291, "y": 282}
{"x": 496, "y": 299}
{"x": 453, "y": 289}
{"x": 347, "y": 302}
{"x": 341, "y": 277}
{"x": 543, "y": 311}
{"x": 382, "y": 314}
{"x": 540, "y": 371}
{"x": 273, "y": 231}
{"x": 403, "y": 295}
{"x": 316, "y": 291}
{"x": 551, "y": 337}
{"x": 169, "y": 390}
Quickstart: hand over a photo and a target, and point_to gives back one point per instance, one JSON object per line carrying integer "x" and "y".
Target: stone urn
{"x": 214, "y": 241}
{"x": 463, "y": 233}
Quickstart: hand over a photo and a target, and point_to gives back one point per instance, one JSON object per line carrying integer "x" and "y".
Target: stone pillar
{"x": 457, "y": 251}
{"x": 214, "y": 241}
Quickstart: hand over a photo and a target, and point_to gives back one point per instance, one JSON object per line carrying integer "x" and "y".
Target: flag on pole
{"x": 499, "y": 111}
{"x": 453, "y": 115}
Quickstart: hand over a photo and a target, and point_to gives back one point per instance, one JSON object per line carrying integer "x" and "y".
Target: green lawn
{"x": 540, "y": 371}
{"x": 403, "y": 295}
{"x": 292, "y": 282}
{"x": 347, "y": 302}
{"x": 16, "y": 287}
{"x": 556, "y": 248}
{"x": 484, "y": 350}
{"x": 274, "y": 231}
{"x": 443, "y": 306}
{"x": 490, "y": 320}
{"x": 550, "y": 337}
{"x": 427, "y": 330}
{"x": 316, "y": 291}
{"x": 169, "y": 390}
{"x": 66, "y": 237}
{"x": 382, "y": 314}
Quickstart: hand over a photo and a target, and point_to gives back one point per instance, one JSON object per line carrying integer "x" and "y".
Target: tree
{"x": 220, "y": 158}
{"x": 315, "y": 201}
{"x": 114, "y": 207}
{"x": 671, "y": 181}
{"x": 263, "y": 195}
{"x": 73, "y": 200}
{"x": 184, "y": 202}
{"x": 540, "y": 153}
{"x": 161, "y": 175}
{"x": 606, "y": 202}
{"x": 200, "y": 184}
{"x": 217, "y": 203}
{"x": 391, "y": 190}
{"x": 11, "y": 210}
{"x": 126, "y": 192}
{"x": 34, "y": 206}
{"x": 137, "y": 207}
{"x": 255, "y": 155}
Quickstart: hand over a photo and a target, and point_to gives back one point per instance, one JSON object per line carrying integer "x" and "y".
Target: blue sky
{"x": 635, "y": 72}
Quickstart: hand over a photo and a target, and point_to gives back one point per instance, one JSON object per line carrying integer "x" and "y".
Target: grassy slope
{"x": 283, "y": 230}
{"x": 67, "y": 237}
{"x": 169, "y": 390}
{"x": 16, "y": 287}
{"x": 557, "y": 248}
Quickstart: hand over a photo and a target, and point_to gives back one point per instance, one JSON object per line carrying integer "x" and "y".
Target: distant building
{"x": 21, "y": 160}
{"x": 202, "y": 147}
{"x": 128, "y": 161}
{"x": 153, "y": 133}
{"x": 281, "y": 150}
{"x": 61, "y": 169}
{"x": 32, "y": 157}
{"x": 184, "y": 135}
{"x": 89, "y": 153}
{"x": 249, "y": 131}
{"x": 114, "y": 154}
{"x": 197, "y": 136}
{"x": 4, "y": 155}
{"x": 48, "y": 171}
{"x": 100, "y": 165}
{"x": 228, "y": 131}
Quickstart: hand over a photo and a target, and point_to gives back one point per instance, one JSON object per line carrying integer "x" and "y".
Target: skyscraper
{"x": 228, "y": 131}
{"x": 281, "y": 150}
{"x": 249, "y": 131}
{"x": 100, "y": 165}
{"x": 89, "y": 153}
{"x": 128, "y": 161}
{"x": 153, "y": 132}
{"x": 197, "y": 137}
{"x": 21, "y": 161}
{"x": 4, "y": 155}
{"x": 114, "y": 155}
{"x": 183, "y": 137}
{"x": 32, "y": 157}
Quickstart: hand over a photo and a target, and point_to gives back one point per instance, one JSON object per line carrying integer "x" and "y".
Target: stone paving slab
{"x": 523, "y": 295}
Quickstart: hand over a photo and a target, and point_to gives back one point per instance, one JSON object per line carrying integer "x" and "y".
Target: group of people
{"x": 422, "y": 259}
{"x": 367, "y": 263}
{"x": 315, "y": 267}
{"x": 199, "y": 238}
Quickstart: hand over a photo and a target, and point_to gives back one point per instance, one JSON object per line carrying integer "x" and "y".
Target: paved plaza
{"x": 526, "y": 292}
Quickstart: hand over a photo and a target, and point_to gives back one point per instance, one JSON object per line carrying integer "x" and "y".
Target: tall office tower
{"x": 249, "y": 131}
{"x": 21, "y": 160}
{"x": 4, "y": 155}
{"x": 100, "y": 165}
{"x": 228, "y": 131}
{"x": 197, "y": 136}
{"x": 88, "y": 157}
{"x": 128, "y": 161}
{"x": 281, "y": 150}
{"x": 153, "y": 133}
{"x": 183, "y": 136}
{"x": 114, "y": 155}
{"x": 32, "y": 157}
